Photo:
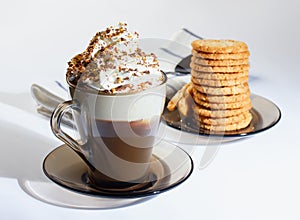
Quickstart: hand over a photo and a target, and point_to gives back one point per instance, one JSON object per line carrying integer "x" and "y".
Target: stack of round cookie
{"x": 220, "y": 90}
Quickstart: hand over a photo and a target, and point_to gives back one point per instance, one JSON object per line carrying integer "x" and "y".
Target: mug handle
{"x": 55, "y": 123}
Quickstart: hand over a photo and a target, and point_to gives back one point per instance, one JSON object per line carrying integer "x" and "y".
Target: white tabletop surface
{"x": 255, "y": 178}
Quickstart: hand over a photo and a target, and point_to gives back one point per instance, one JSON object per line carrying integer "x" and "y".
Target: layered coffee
{"x": 133, "y": 138}
{"x": 120, "y": 91}
{"x": 126, "y": 144}
{"x": 122, "y": 128}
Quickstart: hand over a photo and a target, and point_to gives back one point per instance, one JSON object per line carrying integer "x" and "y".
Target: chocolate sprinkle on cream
{"x": 114, "y": 63}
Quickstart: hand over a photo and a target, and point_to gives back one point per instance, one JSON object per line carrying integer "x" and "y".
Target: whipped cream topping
{"x": 114, "y": 63}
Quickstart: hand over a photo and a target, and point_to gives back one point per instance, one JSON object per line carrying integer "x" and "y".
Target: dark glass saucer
{"x": 169, "y": 167}
{"x": 264, "y": 112}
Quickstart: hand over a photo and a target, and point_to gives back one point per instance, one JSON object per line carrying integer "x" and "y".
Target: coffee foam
{"x": 125, "y": 107}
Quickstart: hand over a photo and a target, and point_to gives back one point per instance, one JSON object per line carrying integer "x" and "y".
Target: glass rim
{"x": 99, "y": 92}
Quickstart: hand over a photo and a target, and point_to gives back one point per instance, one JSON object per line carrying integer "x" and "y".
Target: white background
{"x": 257, "y": 178}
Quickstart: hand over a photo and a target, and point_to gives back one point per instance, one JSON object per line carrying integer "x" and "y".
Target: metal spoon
{"x": 183, "y": 66}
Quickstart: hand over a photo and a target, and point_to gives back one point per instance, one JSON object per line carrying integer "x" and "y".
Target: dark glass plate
{"x": 264, "y": 112}
{"x": 170, "y": 166}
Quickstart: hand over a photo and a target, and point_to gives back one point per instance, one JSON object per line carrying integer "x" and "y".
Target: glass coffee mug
{"x": 115, "y": 133}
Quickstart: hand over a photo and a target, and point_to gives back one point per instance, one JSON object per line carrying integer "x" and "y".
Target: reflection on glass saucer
{"x": 169, "y": 167}
{"x": 264, "y": 112}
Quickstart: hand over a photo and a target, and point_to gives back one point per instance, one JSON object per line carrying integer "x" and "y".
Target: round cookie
{"x": 226, "y": 121}
{"x": 219, "y": 76}
{"x": 221, "y": 91}
{"x": 221, "y": 99}
{"x": 228, "y": 127}
{"x": 219, "y": 83}
{"x": 225, "y": 69}
{"x": 209, "y": 62}
{"x": 221, "y": 56}
{"x": 222, "y": 106}
{"x": 204, "y": 112}
{"x": 219, "y": 46}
